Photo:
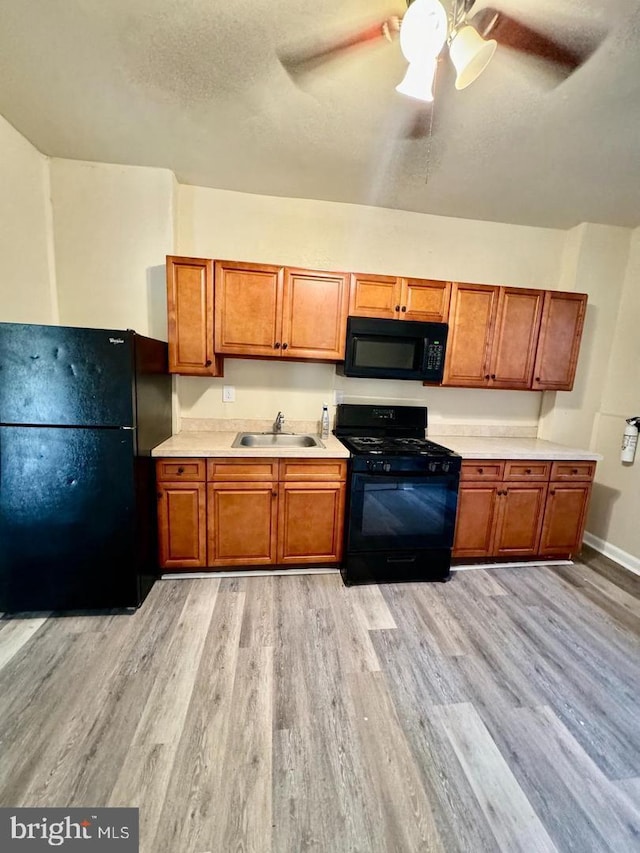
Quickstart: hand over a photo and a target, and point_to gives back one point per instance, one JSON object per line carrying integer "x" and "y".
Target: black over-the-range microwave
{"x": 394, "y": 349}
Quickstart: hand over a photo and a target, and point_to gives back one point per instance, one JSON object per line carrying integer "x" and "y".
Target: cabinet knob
{"x": 528, "y": 471}
{"x": 284, "y": 346}
{"x": 404, "y": 308}
{"x": 397, "y": 307}
{"x": 487, "y": 376}
{"x": 276, "y": 345}
{"x": 480, "y": 470}
{"x": 493, "y": 376}
{"x": 181, "y": 470}
{"x": 537, "y": 379}
{"x": 574, "y": 470}
{"x": 207, "y": 363}
{"x": 274, "y": 494}
{"x": 159, "y": 496}
{"x": 552, "y": 491}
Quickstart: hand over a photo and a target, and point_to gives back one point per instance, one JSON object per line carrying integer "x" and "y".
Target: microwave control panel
{"x": 434, "y": 355}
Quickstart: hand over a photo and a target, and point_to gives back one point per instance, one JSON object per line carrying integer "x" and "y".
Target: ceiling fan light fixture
{"x": 470, "y": 54}
{"x": 418, "y": 81}
{"x": 423, "y": 31}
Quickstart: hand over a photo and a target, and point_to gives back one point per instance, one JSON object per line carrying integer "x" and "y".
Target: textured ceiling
{"x": 198, "y": 87}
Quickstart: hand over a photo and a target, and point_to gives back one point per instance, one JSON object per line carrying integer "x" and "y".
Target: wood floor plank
{"x": 191, "y": 816}
{"x": 581, "y": 808}
{"x": 513, "y": 821}
{"x": 399, "y": 801}
{"x": 237, "y": 721}
{"x": 15, "y": 633}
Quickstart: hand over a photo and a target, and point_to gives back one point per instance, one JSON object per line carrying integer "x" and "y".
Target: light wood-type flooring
{"x": 497, "y": 712}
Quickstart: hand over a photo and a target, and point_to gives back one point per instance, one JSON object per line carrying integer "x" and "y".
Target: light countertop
{"x": 215, "y": 443}
{"x": 483, "y": 447}
{"x": 203, "y": 443}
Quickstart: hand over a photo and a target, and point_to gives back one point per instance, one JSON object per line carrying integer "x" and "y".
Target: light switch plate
{"x": 228, "y": 394}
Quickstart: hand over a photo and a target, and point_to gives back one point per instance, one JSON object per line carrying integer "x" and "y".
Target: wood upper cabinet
{"x": 391, "y": 297}
{"x": 559, "y": 344}
{"x": 248, "y": 308}
{"x": 493, "y": 333}
{"x": 190, "y": 317}
{"x": 278, "y": 312}
{"x": 472, "y": 319}
{"x": 515, "y": 337}
{"x": 314, "y": 319}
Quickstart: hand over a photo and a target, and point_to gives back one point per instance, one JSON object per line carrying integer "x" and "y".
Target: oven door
{"x": 401, "y": 512}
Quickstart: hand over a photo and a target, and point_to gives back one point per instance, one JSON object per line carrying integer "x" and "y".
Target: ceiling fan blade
{"x": 509, "y": 32}
{"x": 304, "y": 61}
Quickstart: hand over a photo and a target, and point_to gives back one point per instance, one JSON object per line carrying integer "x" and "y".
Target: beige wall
{"x": 615, "y": 509}
{"x": 27, "y": 283}
{"x": 222, "y": 224}
{"x": 113, "y": 226}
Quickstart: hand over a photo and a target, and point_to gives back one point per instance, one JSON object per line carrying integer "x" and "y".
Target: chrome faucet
{"x": 278, "y": 423}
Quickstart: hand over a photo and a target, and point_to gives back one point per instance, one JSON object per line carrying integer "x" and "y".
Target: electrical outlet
{"x": 228, "y": 394}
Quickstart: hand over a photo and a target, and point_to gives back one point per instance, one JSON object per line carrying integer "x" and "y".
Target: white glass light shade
{"x": 423, "y": 30}
{"x": 470, "y": 54}
{"x": 418, "y": 81}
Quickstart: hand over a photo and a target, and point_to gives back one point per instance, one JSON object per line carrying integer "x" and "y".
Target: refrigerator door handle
{"x": 127, "y": 427}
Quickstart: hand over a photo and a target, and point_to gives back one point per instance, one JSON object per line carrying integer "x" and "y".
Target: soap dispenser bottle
{"x": 324, "y": 422}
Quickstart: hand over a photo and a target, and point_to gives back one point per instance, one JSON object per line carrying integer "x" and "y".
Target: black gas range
{"x": 402, "y": 496}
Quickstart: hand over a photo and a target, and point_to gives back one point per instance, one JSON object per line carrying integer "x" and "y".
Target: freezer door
{"x": 67, "y": 519}
{"x": 65, "y": 376}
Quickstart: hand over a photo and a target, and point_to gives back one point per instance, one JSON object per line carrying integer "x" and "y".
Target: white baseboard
{"x": 614, "y": 553}
{"x": 522, "y": 564}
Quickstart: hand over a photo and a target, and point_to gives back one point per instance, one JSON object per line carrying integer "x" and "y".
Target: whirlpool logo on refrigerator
{"x": 106, "y": 829}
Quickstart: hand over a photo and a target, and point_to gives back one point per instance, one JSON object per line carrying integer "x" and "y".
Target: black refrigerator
{"x": 80, "y": 411}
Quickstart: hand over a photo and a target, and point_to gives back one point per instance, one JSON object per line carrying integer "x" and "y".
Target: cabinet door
{"x": 471, "y": 322}
{"x": 314, "y": 320}
{"x": 425, "y": 300}
{"x": 182, "y": 525}
{"x": 374, "y": 296}
{"x": 564, "y": 518}
{"x": 559, "y": 342}
{"x": 241, "y": 525}
{"x": 519, "y": 520}
{"x": 475, "y": 519}
{"x": 513, "y": 348}
{"x": 310, "y": 522}
{"x": 248, "y": 308}
{"x": 190, "y": 317}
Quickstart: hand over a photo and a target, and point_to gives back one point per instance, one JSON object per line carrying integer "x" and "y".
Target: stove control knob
{"x": 433, "y": 466}
{"x": 386, "y": 466}
{"x": 445, "y": 467}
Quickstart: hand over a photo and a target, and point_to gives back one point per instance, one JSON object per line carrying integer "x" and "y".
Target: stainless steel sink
{"x": 275, "y": 439}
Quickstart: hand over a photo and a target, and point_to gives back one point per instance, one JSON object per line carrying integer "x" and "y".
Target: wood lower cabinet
{"x": 241, "y": 523}
{"x": 280, "y": 312}
{"x": 190, "y": 317}
{"x": 182, "y": 513}
{"x": 310, "y": 522}
{"x": 250, "y": 512}
{"x": 399, "y": 298}
{"x": 566, "y": 510}
{"x": 522, "y": 508}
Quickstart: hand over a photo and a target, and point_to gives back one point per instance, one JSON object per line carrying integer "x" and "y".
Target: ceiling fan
{"x": 428, "y": 30}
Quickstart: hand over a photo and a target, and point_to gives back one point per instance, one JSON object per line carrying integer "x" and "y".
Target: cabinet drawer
{"x": 482, "y": 469}
{"x": 313, "y": 469}
{"x": 251, "y": 470}
{"x": 174, "y": 470}
{"x": 527, "y": 470}
{"x": 564, "y": 471}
